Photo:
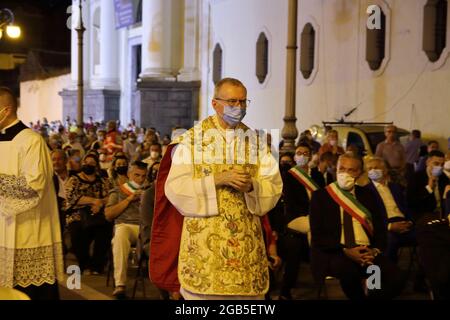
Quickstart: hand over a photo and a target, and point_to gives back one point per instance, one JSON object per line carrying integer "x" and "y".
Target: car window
{"x": 376, "y": 137}
{"x": 355, "y": 139}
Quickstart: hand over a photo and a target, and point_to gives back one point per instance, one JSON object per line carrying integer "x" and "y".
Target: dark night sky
{"x": 43, "y": 24}
{"x": 44, "y": 28}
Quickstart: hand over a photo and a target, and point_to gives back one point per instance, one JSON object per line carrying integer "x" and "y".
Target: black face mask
{"x": 285, "y": 167}
{"x": 88, "y": 169}
{"x": 123, "y": 170}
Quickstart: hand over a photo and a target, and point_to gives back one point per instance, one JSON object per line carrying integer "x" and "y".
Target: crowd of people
{"x": 219, "y": 231}
{"x": 343, "y": 212}
{"x": 103, "y": 177}
{"x": 100, "y": 168}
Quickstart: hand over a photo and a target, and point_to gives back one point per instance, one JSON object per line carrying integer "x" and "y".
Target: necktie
{"x": 349, "y": 233}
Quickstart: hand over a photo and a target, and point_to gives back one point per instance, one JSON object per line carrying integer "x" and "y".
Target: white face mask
{"x": 375, "y": 174}
{"x": 345, "y": 181}
{"x": 154, "y": 155}
{"x": 301, "y": 160}
{"x": 136, "y": 185}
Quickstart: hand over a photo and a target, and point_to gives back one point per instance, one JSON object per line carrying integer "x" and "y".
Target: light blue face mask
{"x": 233, "y": 115}
{"x": 375, "y": 174}
{"x": 436, "y": 171}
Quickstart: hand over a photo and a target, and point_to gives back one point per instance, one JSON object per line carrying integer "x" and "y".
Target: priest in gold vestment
{"x": 222, "y": 180}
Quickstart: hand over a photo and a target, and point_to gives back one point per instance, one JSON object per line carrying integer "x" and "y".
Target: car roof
{"x": 366, "y": 128}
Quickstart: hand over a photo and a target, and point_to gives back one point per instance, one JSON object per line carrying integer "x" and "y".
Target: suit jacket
{"x": 398, "y": 193}
{"x": 325, "y": 220}
{"x": 295, "y": 197}
{"x": 420, "y": 201}
{"x": 318, "y": 178}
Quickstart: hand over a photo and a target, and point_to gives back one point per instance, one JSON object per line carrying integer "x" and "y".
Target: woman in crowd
{"x": 118, "y": 171}
{"x": 86, "y": 196}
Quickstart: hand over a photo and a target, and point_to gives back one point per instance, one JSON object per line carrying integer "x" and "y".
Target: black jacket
{"x": 420, "y": 201}
{"x": 325, "y": 220}
{"x": 318, "y": 178}
{"x": 295, "y": 197}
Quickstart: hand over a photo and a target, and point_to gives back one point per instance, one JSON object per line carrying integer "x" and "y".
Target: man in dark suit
{"x": 321, "y": 174}
{"x": 392, "y": 200}
{"x": 296, "y": 198}
{"x": 426, "y": 198}
{"x": 426, "y": 188}
{"x": 345, "y": 242}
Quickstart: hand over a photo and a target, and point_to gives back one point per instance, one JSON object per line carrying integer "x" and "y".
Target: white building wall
{"x": 236, "y": 25}
{"x": 411, "y": 91}
{"x": 40, "y": 98}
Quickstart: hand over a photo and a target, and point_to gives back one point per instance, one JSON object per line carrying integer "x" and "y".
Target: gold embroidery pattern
{"x": 225, "y": 254}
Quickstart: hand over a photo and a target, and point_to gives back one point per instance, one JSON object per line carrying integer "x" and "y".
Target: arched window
{"x": 217, "y": 63}
{"x": 434, "y": 28}
{"x": 376, "y": 44}
{"x": 307, "y": 50}
{"x": 139, "y": 12}
{"x": 262, "y": 57}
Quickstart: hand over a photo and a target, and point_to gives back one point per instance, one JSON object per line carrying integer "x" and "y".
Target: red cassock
{"x": 166, "y": 233}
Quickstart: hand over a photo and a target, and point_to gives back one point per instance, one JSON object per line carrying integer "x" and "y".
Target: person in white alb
{"x": 222, "y": 196}
{"x": 30, "y": 238}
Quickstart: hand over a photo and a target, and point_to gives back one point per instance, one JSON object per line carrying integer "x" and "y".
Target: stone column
{"x": 74, "y": 43}
{"x": 160, "y": 28}
{"x": 190, "y": 70}
{"x": 109, "y": 50}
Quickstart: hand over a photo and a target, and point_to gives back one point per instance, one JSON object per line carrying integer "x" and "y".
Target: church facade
{"x": 161, "y": 70}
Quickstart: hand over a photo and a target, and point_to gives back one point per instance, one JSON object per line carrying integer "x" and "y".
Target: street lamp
{"x": 7, "y": 24}
{"x": 80, "y": 29}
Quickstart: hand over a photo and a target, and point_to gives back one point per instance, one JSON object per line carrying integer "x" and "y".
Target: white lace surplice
{"x": 30, "y": 237}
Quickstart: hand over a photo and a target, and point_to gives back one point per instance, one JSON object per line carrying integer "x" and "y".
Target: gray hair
{"x": 350, "y": 155}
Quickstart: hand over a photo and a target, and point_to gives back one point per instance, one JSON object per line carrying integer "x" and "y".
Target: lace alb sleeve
{"x": 16, "y": 196}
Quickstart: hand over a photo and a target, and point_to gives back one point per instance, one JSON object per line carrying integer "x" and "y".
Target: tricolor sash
{"x": 128, "y": 189}
{"x": 351, "y": 206}
{"x": 304, "y": 178}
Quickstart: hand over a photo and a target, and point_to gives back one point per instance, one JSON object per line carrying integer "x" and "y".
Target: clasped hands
{"x": 237, "y": 179}
{"x": 362, "y": 255}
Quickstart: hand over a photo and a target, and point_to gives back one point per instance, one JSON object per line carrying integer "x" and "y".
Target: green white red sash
{"x": 351, "y": 205}
{"x": 128, "y": 189}
{"x": 304, "y": 178}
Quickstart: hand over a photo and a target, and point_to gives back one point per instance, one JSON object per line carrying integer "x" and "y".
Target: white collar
{"x": 11, "y": 125}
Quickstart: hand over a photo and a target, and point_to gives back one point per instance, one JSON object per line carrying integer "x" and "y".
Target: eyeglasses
{"x": 235, "y": 102}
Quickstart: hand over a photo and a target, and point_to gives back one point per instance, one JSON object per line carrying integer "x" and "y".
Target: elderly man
{"x": 391, "y": 197}
{"x": 394, "y": 153}
{"x": 221, "y": 184}
{"x": 60, "y": 177}
{"x": 30, "y": 236}
{"x": 123, "y": 208}
{"x": 349, "y": 235}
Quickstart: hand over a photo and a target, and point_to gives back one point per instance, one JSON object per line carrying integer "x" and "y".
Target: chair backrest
{"x": 12, "y": 294}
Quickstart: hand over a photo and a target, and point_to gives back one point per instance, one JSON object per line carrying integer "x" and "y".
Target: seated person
{"x": 349, "y": 235}
{"x": 425, "y": 193}
{"x": 322, "y": 174}
{"x": 124, "y": 209}
{"x": 391, "y": 197}
{"x": 297, "y": 190}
